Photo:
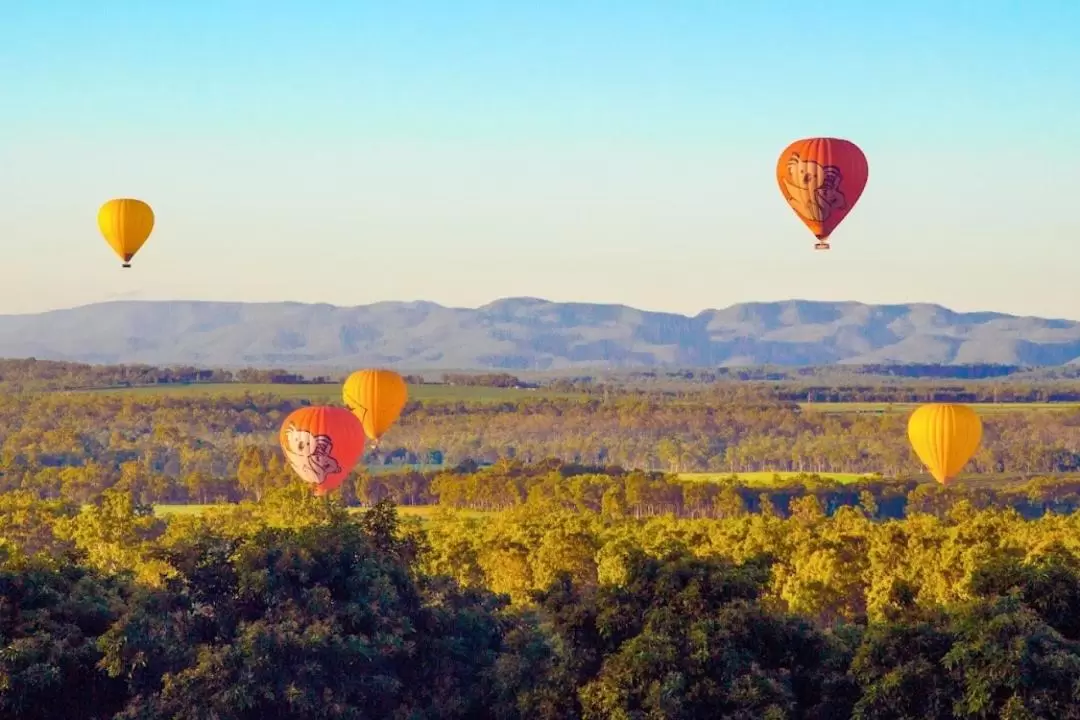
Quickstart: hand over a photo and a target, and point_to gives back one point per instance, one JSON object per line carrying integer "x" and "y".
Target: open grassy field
{"x": 981, "y": 408}
{"x": 167, "y": 510}
{"x": 331, "y": 392}
{"x": 766, "y": 479}
{"x": 423, "y": 512}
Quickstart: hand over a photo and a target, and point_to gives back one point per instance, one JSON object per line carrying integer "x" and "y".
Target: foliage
{"x": 586, "y": 590}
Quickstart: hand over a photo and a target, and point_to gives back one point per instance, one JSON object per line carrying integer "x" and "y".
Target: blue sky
{"x": 351, "y": 152}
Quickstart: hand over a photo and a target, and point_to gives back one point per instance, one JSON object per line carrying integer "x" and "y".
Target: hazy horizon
{"x": 619, "y": 153}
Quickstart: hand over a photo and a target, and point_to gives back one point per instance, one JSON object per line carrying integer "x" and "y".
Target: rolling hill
{"x": 531, "y": 334}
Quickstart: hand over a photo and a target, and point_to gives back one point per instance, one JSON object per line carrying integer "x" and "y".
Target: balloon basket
{"x": 821, "y": 246}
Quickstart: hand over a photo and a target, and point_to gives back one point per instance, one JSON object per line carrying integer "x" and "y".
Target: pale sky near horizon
{"x": 609, "y": 151}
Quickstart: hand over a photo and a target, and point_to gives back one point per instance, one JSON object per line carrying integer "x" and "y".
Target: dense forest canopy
{"x": 293, "y": 608}
{"x": 575, "y": 547}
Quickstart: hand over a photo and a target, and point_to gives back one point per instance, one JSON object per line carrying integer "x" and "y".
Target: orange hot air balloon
{"x": 377, "y": 398}
{"x": 322, "y": 444}
{"x": 944, "y": 436}
{"x": 822, "y": 179}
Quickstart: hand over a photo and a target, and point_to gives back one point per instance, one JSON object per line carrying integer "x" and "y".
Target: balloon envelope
{"x": 377, "y": 398}
{"x": 126, "y": 224}
{"x": 822, "y": 179}
{"x": 944, "y": 436}
{"x": 322, "y": 444}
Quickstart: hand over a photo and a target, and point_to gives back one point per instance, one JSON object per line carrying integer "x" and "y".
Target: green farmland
{"x": 331, "y": 392}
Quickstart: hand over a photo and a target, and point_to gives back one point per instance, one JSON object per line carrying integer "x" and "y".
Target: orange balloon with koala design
{"x": 322, "y": 444}
{"x": 822, "y": 178}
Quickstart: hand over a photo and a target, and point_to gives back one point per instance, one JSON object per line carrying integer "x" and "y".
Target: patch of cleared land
{"x": 981, "y": 408}
{"x": 768, "y": 478}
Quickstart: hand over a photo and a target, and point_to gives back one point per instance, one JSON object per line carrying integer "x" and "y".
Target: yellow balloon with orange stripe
{"x": 126, "y": 224}
{"x": 377, "y": 398}
{"x": 944, "y": 436}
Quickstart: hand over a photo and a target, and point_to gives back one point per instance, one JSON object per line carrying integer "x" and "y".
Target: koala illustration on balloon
{"x": 813, "y": 190}
{"x": 310, "y": 455}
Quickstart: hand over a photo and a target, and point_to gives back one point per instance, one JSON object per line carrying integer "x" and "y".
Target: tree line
{"x": 499, "y": 380}
{"x": 870, "y": 383}
{"x": 617, "y": 493}
{"x": 31, "y": 374}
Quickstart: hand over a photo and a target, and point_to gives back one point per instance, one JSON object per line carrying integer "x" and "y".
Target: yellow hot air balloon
{"x": 126, "y": 224}
{"x": 944, "y": 436}
{"x": 377, "y": 398}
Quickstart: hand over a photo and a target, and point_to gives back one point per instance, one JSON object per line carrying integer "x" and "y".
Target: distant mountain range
{"x": 531, "y": 334}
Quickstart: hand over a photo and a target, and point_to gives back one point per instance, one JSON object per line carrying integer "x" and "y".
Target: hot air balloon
{"x": 377, "y": 398}
{"x": 822, "y": 179}
{"x": 322, "y": 444}
{"x": 126, "y": 224}
{"x": 944, "y": 436}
